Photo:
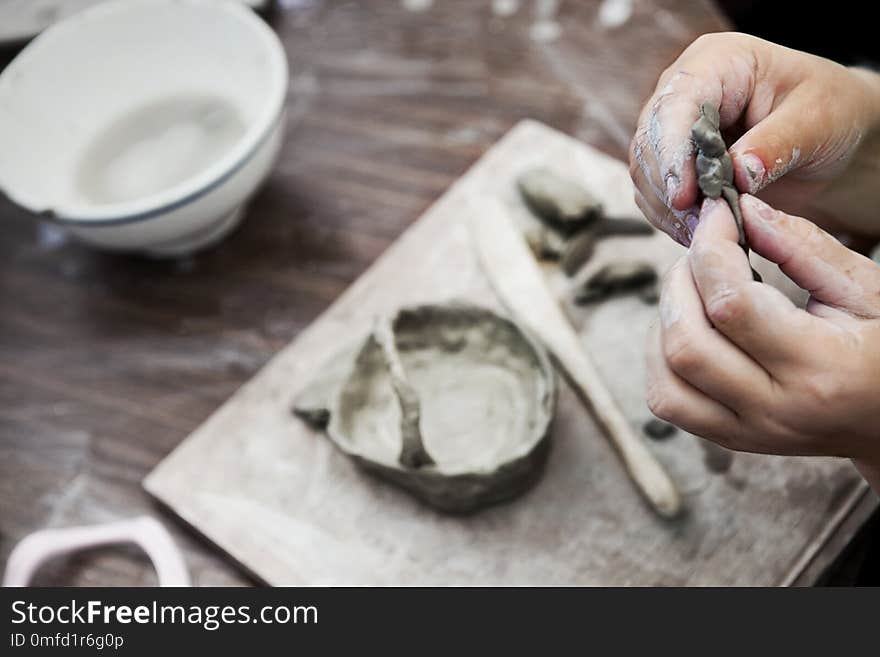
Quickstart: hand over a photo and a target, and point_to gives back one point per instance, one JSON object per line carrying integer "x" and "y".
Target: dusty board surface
{"x": 282, "y": 502}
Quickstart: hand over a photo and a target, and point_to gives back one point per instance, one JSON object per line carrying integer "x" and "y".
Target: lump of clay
{"x": 545, "y": 244}
{"x": 577, "y": 251}
{"x": 579, "y": 247}
{"x": 875, "y": 254}
{"x": 715, "y": 168}
{"x": 658, "y": 429}
{"x": 452, "y": 402}
{"x": 616, "y": 278}
{"x": 557, "y": 200}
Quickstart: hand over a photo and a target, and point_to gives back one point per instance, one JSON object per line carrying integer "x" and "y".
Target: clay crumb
{"x": 658, "y": 429}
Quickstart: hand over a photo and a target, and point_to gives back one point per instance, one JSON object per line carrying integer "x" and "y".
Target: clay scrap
{"x": 557, "y": 200}
{"x": 619, "y": 277}
{"x": 657, "y": 429}
{"x": 715, "y": 168}
{"x": 573, "y": 221}
{"x": 451, "y": 402}
{"x": 546, "y": 243}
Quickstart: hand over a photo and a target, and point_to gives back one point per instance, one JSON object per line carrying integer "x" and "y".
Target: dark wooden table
{"x": 107, "y": 362}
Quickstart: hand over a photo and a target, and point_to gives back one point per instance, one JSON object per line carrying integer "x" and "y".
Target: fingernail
{"x": 686, "y": 228}
{"x": 671, "y": 188}
{"x": 756, "y": 172}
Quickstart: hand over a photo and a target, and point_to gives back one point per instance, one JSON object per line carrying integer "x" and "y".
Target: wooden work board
{"x": 288, "y": 507}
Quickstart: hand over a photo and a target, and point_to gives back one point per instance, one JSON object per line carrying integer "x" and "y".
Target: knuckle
{"x": 823, "y": 390}
{"x": 705, "y": 41}
{"x": 681, "y": 351}
{"x": 715, "y": 40}
{"x": 727, "y": 307}
{"x": 661, "y": 403}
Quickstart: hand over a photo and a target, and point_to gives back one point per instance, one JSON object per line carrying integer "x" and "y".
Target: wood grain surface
{"x": 108, "y": 362}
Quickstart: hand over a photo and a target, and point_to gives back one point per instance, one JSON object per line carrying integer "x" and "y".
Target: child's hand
{"x": 736, "y": 362}
{"x": 804, "y": 121}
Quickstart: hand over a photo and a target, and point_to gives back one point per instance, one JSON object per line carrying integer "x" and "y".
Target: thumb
{"x": 779, "y": 142}
{"x": 813, "y": 259}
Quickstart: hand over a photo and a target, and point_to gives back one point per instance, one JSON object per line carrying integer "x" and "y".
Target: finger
{"x": 674, "y": 400}
{"x": 699, "y": 354}
{"x": 678, "y": 224}
{"x": 643, "y": 166}
{"x": 758, "y": 318}
{"x": 793, "y": 132}
{"x": 813, "y": 259}
{"x": 717, "y": 68}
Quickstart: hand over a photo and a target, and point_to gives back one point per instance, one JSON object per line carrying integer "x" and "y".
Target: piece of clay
{"x": 312, "y": 403}
{"x": 875, "y": 254}
{"x": 650, "y": 294}
{"x": 716, "y": 458}
{"x": 545, "y": 243}
{"x": 615, "y": 278}
{"x": 559, "y": 201}
{"x": 412, "y": 450}
{"x": 580, "y": 246}
{"x": 452, "y": 402}
{"x": 618, "y": 226}
{"x": 577, "y": 251}
{"x": 658, "y": 429}
{"x": 715, "y": 168}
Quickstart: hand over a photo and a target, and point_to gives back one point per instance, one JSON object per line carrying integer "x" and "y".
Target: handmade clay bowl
{"x": 452, "y": 402}
{"x": 144, "y": 125}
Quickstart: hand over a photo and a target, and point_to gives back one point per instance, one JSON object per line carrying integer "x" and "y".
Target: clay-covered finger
{"x": 678, "y": 224}
{"x": 700, "y": 355}
{"x": 718, "y": 69}
{"x": 758, "y": 318}
{"x": 643, "y": 167}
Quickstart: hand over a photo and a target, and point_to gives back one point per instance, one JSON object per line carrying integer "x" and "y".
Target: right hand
{"x": 803, "y": 121}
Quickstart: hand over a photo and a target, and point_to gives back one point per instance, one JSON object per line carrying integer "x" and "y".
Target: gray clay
{"x": 875, "y": 254}
{"x": 452, "y": 402}
{"x": 650, "y": 294}
{"x": 616, "y": 278}
{"x": 715, "y": 168}
{"x": 658, "y": 429}
{"x": 619, "y": 226}
{"x": 312, "y": 403}
{"x": 545, "y": 243}
{"x": 573, "y": 219}
{"x": 558, "y": 201}
{"x": 716, "y": 458}
{"x": 578, "y": 251}
{"x": 579, "y": 247}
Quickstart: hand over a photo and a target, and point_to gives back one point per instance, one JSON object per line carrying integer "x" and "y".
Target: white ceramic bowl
{"x": 144, "y": 125}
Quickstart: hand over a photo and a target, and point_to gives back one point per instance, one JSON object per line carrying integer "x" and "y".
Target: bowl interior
{"x": 131, "y": 104}
{"x": 485, "y": 392}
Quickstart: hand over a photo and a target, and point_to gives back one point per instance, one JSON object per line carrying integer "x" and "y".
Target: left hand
{"x": 736, "y": 362}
